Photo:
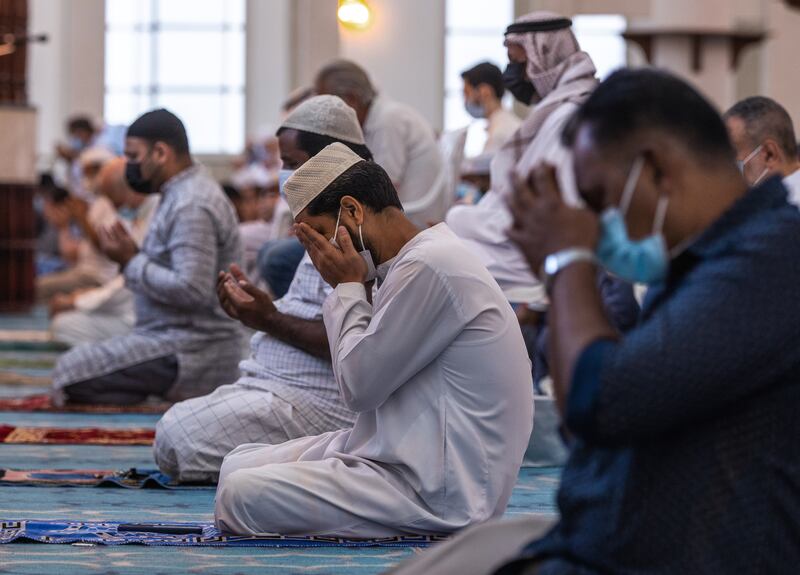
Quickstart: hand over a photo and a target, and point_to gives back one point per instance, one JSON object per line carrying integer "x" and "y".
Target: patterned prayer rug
{"x": 131, "y": 478}
{"x": 206, "y": 536}
{"x": 22, "y": 361}
{"x": 16, "y": 378}
{"x": 78, "y": 435}
{"x": 43, "y": 402}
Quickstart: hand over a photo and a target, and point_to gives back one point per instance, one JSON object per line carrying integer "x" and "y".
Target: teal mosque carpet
{"x": 86, "y": 507}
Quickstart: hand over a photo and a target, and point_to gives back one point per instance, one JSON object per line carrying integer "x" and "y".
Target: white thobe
{"x": 500, "y": 126}
{"x": 283, "y": 393}
{"x": 101, "y": 214}
{"x": 438, "y": 373}
{"x": 404, "y": 145}
{"x": 483, "y": 226}
{"x": 106, "y": 311}
{"x": 792, "y": 183}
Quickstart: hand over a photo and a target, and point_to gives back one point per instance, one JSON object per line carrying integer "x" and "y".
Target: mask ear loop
{"x": 630, "y": 185}
{"x": 752, "y": 155}
{"x": 338, "y": 218}
{"x": 761, "y": 177}
{"x": 661, "y": 215}
{"x": 361, "y": 238}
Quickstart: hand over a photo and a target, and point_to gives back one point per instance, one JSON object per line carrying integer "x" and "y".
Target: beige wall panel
{"x": 17, "y": 146}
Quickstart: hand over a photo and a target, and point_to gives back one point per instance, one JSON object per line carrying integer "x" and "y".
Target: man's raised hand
{"x": 117, "y": 244}
{"x": 243, "y": 301}
{"x": 335, "y": 265}
{"x": 543, "y": 224}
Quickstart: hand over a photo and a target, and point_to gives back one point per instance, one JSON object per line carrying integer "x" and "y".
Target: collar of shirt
{"x": 718, "y": 237}
{"x": 383, "y": 269}
{"x": 180, "y": 177}
{"x": 792, "y": 184}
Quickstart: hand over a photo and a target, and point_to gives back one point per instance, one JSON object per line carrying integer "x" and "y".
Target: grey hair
{"x": 765, "y": 118}
{"x": 346, "y": 78}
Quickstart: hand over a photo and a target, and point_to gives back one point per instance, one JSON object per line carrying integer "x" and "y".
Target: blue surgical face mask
{"x": 475, "y": 109}
{"x": 127, "y": 213}
{"x": 365, "y": 254}
{"x": 283, "y": 176}
{"x": 76, "y": 143}
{"x": 643, "y": 261}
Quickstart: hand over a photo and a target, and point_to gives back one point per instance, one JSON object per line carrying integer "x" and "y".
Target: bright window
{"x": 475, "y": 33}
{"x": 184, "y": 55}
{"x": 600, "y": 35}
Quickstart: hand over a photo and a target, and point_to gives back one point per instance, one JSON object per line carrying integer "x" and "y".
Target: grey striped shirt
{"x": 193, "y": 235}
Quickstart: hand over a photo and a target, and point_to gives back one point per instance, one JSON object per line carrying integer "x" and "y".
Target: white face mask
{"x": 365, "y": 254}
{"x": 283, "y": 176}
{"x": 750, "y": 156}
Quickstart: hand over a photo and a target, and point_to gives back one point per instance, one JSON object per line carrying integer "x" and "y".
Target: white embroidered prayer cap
{"x": 310, "y": 180}
{"x": 328, "y": 116}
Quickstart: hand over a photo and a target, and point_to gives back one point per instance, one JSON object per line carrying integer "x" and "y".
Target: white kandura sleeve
{"x": 109, "y": 296}
{"x": 374, "y": 353}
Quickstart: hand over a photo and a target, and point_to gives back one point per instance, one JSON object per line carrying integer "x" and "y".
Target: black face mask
{"x": 516, "y": 81}
{"x": 133, "y": 176}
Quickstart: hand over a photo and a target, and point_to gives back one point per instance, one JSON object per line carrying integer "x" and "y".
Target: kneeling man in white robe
{"x": 435, "y": 367}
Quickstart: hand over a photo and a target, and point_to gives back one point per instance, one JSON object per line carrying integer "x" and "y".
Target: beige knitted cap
{"x": 310, "y": 180}
{"x": 328, "y": 116}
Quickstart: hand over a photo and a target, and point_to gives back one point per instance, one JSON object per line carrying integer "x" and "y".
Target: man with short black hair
{"x": 684, "y": 454}
{"x": 83, "y": 135}
{"x": 81, "y": 132}
{"x": 286, "y": 387}
{"x": 483, "y": 95}
{"x": 183, "y": 344}
{"x": 316, "y": 122}
{"x": 434, "y": 366}
{"x": 763, "y": 135}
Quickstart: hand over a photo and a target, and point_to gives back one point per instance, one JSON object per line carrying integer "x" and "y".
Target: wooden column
{"x": 13, "y": 21}
{"x": 17, "y": 165}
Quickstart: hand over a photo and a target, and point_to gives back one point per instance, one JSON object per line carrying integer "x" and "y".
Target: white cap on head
{"x": 254, "y": 176}
{"x": 327, "y": 116}
{"x": 310, "y": 180}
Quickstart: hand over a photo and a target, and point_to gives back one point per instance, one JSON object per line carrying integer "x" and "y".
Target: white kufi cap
{"x": 327, "y": 116}
{"x": 310, "y": 180}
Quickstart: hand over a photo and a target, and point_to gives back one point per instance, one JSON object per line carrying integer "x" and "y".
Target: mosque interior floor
{"x": 535, "y": 493}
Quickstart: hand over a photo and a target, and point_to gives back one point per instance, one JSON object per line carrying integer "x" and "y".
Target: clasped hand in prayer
{"x": 117, "y": 244}
{"x": 336, "y": 265}
{"x": 243, "y": 301}
{"x": 543, "y": 224}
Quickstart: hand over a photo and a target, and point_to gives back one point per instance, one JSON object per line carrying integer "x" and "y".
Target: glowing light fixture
{"x": 354, "y": 13}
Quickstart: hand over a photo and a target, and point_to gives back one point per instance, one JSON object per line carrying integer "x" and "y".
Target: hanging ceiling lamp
{"x": 354, "y": 14}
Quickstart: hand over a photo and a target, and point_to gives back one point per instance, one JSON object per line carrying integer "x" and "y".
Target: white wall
{"x": 315, "y": 38}
{"x": 268, "y": 71}
{"x": 403, "y": 51}
{"x": 780, "y": 69}
{"x": 65, "y": 74}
